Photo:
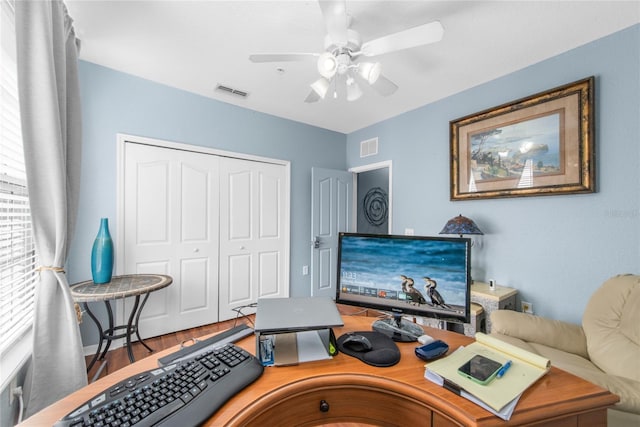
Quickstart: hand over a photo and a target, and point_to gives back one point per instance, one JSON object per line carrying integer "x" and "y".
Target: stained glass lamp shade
{"x": 460, "y": 225}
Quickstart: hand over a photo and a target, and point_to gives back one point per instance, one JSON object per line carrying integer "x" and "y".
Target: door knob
{"x": 316, "y": 242}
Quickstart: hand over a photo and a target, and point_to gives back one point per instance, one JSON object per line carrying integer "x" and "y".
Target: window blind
{"x": 17, "y": 250}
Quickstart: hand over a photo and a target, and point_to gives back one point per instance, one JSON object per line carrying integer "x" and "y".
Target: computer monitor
{"x": 415, "y": 275}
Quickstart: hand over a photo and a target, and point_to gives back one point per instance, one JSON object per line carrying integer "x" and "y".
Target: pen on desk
{"x": 504, "y": 369}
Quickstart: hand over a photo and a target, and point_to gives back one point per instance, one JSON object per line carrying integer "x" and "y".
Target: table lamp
{"x": 460, "y": 225}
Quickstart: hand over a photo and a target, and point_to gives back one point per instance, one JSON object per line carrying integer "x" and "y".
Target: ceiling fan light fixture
{"x": 353, "y": 90}
{"x": 327, "y": 65}
{"x": 370, "y": 71}
{"x": 321, "y": 87}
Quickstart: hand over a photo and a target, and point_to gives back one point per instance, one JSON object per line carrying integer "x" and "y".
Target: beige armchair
{"x": 604, "y": 350}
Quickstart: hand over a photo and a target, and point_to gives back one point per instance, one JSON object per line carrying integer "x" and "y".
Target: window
{"x": 17, "y": 250}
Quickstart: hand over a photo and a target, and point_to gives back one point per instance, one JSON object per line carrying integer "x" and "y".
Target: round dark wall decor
{"x": 374, "y": 206}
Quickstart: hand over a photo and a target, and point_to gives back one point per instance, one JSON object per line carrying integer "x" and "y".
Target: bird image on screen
{"x": 436, "y": 298}
{"x": 412, "y": 275}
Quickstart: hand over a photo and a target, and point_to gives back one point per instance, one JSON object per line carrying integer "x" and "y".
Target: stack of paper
{"x": 501, "y": 395}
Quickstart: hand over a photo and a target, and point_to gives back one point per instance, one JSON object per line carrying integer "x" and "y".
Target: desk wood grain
{"x": 359, "y": 393}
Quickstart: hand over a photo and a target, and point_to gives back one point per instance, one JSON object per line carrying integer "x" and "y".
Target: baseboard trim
{"x": 90, "y": 350}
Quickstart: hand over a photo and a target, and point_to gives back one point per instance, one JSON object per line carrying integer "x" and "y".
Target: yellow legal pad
{"x": 526, "y": 368}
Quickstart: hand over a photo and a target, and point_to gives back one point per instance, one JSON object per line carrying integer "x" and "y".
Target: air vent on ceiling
{"x": 232, "y": 91}
{"x": 369, "y": 147}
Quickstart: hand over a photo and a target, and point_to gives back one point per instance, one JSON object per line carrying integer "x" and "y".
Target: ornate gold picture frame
{"x": 539, "y": 145}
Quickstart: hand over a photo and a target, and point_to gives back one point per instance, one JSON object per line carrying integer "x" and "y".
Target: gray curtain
{"x": 47, "y": 57}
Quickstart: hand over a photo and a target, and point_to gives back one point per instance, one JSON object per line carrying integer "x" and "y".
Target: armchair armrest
{"x": 552, "y": 333}
{"x": 626, "y": 388}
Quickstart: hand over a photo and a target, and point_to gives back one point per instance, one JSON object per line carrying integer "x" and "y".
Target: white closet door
{"x": 254, "y": 259}
{"x": 171, "y": 214}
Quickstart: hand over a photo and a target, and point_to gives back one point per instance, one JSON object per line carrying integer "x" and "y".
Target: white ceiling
{"x": 196, "y": 45}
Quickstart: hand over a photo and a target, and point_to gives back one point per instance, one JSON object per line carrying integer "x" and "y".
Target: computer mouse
{"x": 357, "y": 343}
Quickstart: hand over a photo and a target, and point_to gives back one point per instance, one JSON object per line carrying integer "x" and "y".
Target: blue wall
{"x": 556, "y": 250}
{"x": 114, "y": 102}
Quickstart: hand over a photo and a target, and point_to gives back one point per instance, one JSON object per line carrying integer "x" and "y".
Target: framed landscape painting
{"x": 539, "y": 145}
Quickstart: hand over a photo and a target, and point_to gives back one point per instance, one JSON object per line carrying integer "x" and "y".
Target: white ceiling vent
{"x": 369, "y": 147}
{"x": 232, "y": 91}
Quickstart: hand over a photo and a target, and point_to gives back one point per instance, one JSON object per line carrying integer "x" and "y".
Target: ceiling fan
{"x": 339, "y": 65}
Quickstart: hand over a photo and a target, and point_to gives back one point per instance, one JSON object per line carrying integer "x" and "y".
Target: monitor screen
{"x": 417, "y": 275}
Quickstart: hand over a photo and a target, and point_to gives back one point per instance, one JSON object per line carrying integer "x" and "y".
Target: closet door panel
{"x": 269, "y": 274}
{"x": 240, "y": 279}
{"x": 239, "y": 210}
{"x": 195, "y": 205}
{"x": 253, "y": 208}
{"x": 270, "y": 202}
{"x": 151, "y": 199}
{"x": 195, "y": 272}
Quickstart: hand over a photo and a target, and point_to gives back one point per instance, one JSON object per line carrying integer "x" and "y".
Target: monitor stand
{"x": 398, "y": 329}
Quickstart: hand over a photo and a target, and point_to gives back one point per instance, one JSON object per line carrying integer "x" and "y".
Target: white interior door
{"x": 254, "y": 254}
{"x": 331, "y": 213}
{"x": 171, "y": 214}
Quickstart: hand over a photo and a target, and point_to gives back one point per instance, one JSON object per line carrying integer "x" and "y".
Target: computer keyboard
{"x": 182, "y": 394}
{"x": 202, "y": 346}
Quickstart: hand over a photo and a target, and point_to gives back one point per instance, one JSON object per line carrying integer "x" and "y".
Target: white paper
{"x": 310, "y": 347}
{"x": 505, "y": 413}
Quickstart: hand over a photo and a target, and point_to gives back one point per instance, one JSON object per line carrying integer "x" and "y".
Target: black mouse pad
{"x": 384, "y": 351}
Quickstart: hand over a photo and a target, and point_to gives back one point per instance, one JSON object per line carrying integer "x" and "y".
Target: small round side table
{"x": 131, "y": 285}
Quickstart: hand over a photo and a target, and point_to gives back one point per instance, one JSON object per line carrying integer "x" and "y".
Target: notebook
{"x": 296, "y": 314}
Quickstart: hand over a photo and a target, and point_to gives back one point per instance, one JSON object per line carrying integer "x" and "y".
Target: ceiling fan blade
{"x": 384, "y": 86}
{"x": 282, "y": 57}
{"x": 334, "y": 13}
{"x": 416, "y": 36}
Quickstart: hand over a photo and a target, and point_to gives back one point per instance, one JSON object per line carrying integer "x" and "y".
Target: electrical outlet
{"x": 527, "y": 307}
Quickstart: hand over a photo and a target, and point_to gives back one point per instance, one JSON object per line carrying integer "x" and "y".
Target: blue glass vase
{"x": 102, "y": 254}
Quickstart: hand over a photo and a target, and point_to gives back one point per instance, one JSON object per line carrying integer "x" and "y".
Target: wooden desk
{"x": 359, "y": 393}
